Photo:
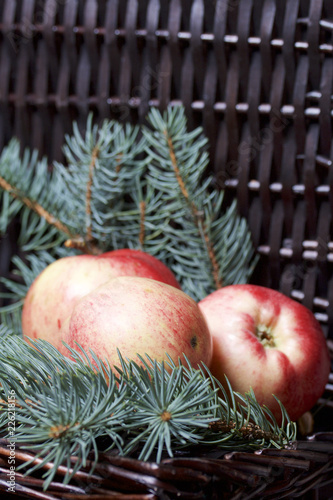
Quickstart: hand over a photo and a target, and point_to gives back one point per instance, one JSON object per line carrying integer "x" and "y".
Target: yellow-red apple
{"x": 268, "y": 341}
{"x": 53, "y": 294}
{"x": 138, "y": 316}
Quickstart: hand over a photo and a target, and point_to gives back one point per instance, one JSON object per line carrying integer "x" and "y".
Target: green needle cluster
{"x": 74, "y": 407}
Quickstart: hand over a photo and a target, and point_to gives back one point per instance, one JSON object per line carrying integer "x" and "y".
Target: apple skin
{"x": 53, "y": 294}
{"x": 141, "y": 264}
{"x": 138, "y": 316}
{"x": 295, "y": 369}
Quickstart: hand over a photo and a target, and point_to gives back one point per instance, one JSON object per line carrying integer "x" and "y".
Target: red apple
{"x": 137, "y": 263}
{"x": 56, "y": 290}
{"x": 138, "y": 316}
{"x": 265, "y": 340}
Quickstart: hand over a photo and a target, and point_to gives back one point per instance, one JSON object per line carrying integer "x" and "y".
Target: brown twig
{"x": 57, "y": 431}
{"x": 249, "y": 431}
{"x": 81, "y": 244}
{"x": 198, "y": 215}
{"x": 119, "y": 160}
{"x": 74, "y": 241}
{"x": 92, "y": 165}
{"x": 36, "y": 207}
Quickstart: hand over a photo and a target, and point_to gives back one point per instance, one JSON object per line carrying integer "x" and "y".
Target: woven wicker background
{"x": 256, "y": 74}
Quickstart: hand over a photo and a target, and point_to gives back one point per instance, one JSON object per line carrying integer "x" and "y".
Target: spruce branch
{"x": 101, "y": 172}
{"x": 197, "y": 214}
{"x": 206, "y": 244}
{"x": 78, "y": 407}
{"x": 74, "y": 240}
{"x": 168, "y": 407}
{"x": 18, "y": 178}
{"x": 62, "y": 407}
{"x": 36, "y": 207}
{"x": 92, "y": 165}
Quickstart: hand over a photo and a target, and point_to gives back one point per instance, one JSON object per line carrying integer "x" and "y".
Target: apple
{"x": 138, "y": 316}
{"x": 53, "y": 294}
{"x": 265, "y": 340}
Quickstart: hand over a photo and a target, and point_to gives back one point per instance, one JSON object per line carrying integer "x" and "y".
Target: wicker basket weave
{"x": 256, "y": 74}
{"x": 271, "y": 474}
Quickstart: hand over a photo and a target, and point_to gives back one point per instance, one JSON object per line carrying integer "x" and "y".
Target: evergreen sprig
{"x": 170, "y": 408}
{"x": 30, "y": 189}
{"x": 62, "y": 406}
{"x": 102, "y": 170}
{"x": 77, "y": 406}
{"x": 207, "y": 246}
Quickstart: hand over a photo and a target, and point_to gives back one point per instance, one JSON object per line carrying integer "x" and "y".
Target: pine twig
{"x": 66, "y": 405}
{"x": 119, "y": 161}
{"x": 250, "y": 431}
{"x": 82, "y": 244}
{"x": 94, "y": 157}
{"x": 36, "y": 207}
{"x": 196, "y": 213}
{"x": 74, "y": 241}
{"x": 86, "y": 244}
